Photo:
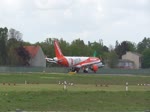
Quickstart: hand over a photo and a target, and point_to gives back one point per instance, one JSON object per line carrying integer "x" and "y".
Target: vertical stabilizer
{"x": 58, "y": 52}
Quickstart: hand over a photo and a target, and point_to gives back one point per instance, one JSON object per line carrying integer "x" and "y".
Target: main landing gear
{"x": 74, "y": 70}
{"x": 85, "y": 69}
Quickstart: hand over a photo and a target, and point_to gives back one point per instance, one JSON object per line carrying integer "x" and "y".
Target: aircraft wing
{"x": 86, "y": 64}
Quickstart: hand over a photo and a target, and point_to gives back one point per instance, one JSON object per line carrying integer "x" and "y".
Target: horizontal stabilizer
{"x": 51, "y": 60}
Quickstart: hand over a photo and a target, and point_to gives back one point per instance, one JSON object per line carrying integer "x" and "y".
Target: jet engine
{"x": 94, "y": 67}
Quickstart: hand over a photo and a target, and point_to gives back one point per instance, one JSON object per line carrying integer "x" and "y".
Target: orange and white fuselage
{"x": 74, "y": 62}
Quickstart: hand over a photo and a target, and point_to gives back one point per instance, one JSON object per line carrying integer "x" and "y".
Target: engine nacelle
{"x": 94, "y": 68}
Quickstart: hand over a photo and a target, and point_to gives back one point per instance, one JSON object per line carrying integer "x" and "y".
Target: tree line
{"x": 12, "y": 52}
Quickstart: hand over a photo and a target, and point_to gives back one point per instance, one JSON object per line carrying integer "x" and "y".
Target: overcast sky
{"x": 89, "y": 20}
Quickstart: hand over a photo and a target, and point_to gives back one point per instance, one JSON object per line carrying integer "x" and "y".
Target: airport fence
{"x": 65, "y": 70}
{"x": 21, "y": 69}
{"x": 32, "y": 69}
{"x": 124, "y": 71}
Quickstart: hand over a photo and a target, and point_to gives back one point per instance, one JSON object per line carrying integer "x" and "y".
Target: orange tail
{"x": 58, "y": 52}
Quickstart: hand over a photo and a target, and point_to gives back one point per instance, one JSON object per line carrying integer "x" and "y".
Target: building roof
{"x": 32, "y": 50}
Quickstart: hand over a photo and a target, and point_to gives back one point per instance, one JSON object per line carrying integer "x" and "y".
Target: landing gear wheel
{"x": 85, "y": 70}
{"x": 75, "y": 70}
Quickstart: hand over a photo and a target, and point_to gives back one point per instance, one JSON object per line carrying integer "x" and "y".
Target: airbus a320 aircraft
{"x": 75, "y": 63}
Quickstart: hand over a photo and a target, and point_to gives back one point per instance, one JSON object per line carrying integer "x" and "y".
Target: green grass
{"x": 75, "y": 88}
{"x": 45, "y": 78}
{"x": 48, "y": 95}
{"x": 77, "y": 101}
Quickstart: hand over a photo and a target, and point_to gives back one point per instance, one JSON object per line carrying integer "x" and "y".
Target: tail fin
{"x": 58, "y": 52}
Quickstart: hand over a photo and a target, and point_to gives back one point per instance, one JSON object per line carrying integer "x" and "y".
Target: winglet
{"x": 58, "y": 52}
{"x": 95, "y": 53}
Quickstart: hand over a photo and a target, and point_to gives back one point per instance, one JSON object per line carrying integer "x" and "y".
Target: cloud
{"x": 10, "y": 5}
{"x": 52, "y": 4}
{"x": 89, "y": 20}
{"x": 68, "y": 13}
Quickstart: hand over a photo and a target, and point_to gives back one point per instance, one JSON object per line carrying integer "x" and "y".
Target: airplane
{"x": 75, "y": 63}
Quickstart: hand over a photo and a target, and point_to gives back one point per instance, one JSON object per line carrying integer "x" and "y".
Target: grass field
{"x": 41, "y": 92}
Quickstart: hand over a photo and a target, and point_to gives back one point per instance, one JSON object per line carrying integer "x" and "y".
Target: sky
{"x": 89, "y": 20}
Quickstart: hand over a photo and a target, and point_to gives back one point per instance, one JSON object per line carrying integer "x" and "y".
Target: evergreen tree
{"x": 125, "y": 46}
